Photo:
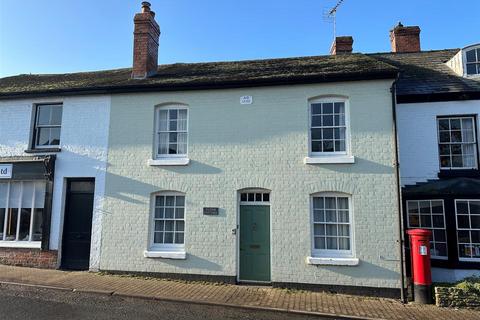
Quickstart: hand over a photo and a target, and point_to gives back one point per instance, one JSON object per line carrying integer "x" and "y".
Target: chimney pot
{"x": 405, "y": 39}
{"x": 342, "y": 45}
{"x": 145, "y": 43}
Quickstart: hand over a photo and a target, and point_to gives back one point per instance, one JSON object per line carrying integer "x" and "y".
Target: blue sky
{"x": 57, "y": 36}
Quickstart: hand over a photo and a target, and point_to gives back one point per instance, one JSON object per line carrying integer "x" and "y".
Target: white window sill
{"x": 176, "y": 255}
{"x": 333, "y": 261}
{"x": 21, "y": 244}
{"x": 329, "y": 159}
{"x": 169, "y": 162}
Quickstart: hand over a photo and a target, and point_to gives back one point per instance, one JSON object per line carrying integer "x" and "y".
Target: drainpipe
{"x": 399, "y": 193}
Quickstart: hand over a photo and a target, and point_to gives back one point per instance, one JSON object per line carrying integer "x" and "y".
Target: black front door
{"x": 77, "y": 226}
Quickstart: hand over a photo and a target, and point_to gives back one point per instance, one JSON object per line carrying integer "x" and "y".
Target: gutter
{"x": 401, "y": 240}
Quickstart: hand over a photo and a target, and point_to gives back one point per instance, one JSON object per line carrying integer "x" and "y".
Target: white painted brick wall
{"x": 418, "y": 141}
{"x": 233, "y": 146}
{"x": 84, "y": 139}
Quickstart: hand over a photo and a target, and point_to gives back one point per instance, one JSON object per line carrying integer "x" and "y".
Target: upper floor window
{"x": 328, "y": 127}
{"x": 171, "y": 131}
{"x": 168, "y": 225}
{"x": 472, "y": 62}
{"x": 457, "y": 142}
{"x": 332, "y": 225}
{"x": 48, "y": 122}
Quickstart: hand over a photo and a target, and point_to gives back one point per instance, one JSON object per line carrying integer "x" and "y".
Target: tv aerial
{"x": 330, "y": 16}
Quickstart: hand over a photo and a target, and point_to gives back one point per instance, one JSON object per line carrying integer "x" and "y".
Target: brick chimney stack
{"x": 342, "y": 45}
{"x": 405, "y": 39}
{"x": 145, "y": 43}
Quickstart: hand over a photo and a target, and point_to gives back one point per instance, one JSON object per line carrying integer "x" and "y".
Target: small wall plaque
{"x": 246, "y": 100}
{"x": 210, "y": 211}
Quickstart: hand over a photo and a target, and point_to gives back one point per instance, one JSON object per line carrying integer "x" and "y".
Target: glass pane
{"x": 327, "y": 134}
{"x": 266, "y": 197}
{"x": 37, "y": 225}
{"x": 327, "y": 121}
{"x": 159, "y": 213}
{"x": 463, "y": 236}
{"x": 179, "y": 213}
{"x": 158, "y": 237}
{"x": 172, "y": 148}
{"x": 316, "y": 146}
{"x": 163, "y": 120}
{"x": 332, "y": 244}
{"x": 413, "y": 221}
{"x": 173, "y": 125}
{"x": 475, "y": 222}
{"x": 456, "y": 149}
{"x": 169, "y": 225}
{"x": 2, "y": 221}
{"x": 444, "y": 149}
{"x": 243, "y": 197}
{"x": 424, "y": 206}
{"x": 163, "y": 143}
{"x": 475, "y": 234}
{"x": 24, "y": 232}
{"x": 343, "y": 230}
{"x": 319, "y": 242}
{"x": 179, "y": 238}
{"x": 342, "y": 203}
{"x": 159, "y": 225}
{"x": 462, "y": 207}
{"x": 319, "y": 229}
{"x": 331, "y": 229}
{"x": 12, "y": 217}
{"x": 159, "y": 201}
{"x": 445, "y": 162}
{"x": 327, "y": 108}
{"x": 170, "y": 201}
{"x": 444, "y": 136}
{"x": 440, "y": 249}
{"x": 43, "y": 115}
{"x": 464, "y": 251}
{"x": 331, "y": 216}
{"x": 339, "y": 107}
{"x": 316, "y": 134}
{"x": 425, "y": 221}
{"x": 455, "y": 124}
{"x": 470, "y": 54}
{"x": 475, "y": 251}
{"x": 439, "y": 236}
{"x": 43, "y": 136}
{"x": 182, "y": 120}
{"x": 56, "y": 118}
{"x": 457, "y": 161}
{"x": 471, "y": 68}
{"x": 316, "y": 108}
{"x": 463, "y": 221}
{"x": 330, "y": 203}
{"x": 344, "y": 243}
{"x": 55, "y": 136}
{"x": 319, "y": 216}
{"x": 443, "y": 124}
{"x": 180, "y": 201}
{"x": 437, "y": 206}
{"x": 456, "y": 136}
{"x": 173, "y": 114}
{"x": 316, "y": 121}
{"x": 342, "y": 216}
{"x": 412, "y": 206}
{"x": 474, "y": 207}
{"x": 179, "y": 226}
{"x": 438, "y": 221}
{"x": 169, "y": 213}
{"x": 258, "y": 197}
{"x": 172, "y": 137}
{"x": 168, "y": 237}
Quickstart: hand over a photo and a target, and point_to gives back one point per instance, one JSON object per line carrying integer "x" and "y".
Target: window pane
{"x": 475, "y": 234}
{"x": 462, "y": 207}
{"x": 56, "y": 117}
{"x": 266, "y": 197}
{"x": 319, "y": 230}
{"x": 316, "y": 146}
{"x": 179, "y": 238}
{"x": 24, "y": 231}
{"x": 330, "y": 203}
{"x": 470, "y": 54}
{"x": 243, "y": 197}
{"x": 168, "y": 237}
{"x": 413, "y": 221}
{"x": 327, "y": 108}
{"x": 438, "y": 221}
{"x": 169, "y": 225}
{"x": 159, "y": 201}
{"x": 471, "y": 68}
{"x": 344, "y": 243}
{"x": 316, "y": 121}
{"x": 439, "y": 236}
{"x": 179, "y": 213}
{"x": 37, "y": 225}
{"x": 169, "y": 213}
{"x": 173, "y": 114}
{"x": 327, "y": 120}
{"x": 343, "y": 230}
{"x": 475, "y": 207}
{"x": 455, "y": 124}
{"x": 316, "y": 134}
{"x": 179, "y": 226}
{"x": 43, "y": 136}
{"x": 475, "y": 222}
{"x": 159, "y": 225}
{"x": 319, "y": 216}
{"x": 319, "y": 243}
{"x": 55, "y": 136}
{"x": 440, "y": 249}
{"x": 443, "y": 124}
{"x": 331, "y": 229}
{"x": 43, "y": 115}
{"x": 180, "y": 201}
{"x": 316, "y": 108}
{"x": 332, "y": 244}
{"x": 170, "y": 201}
{"x": 425, "y": 221}
{"x": 158, "y": 237}
{"x": 463, "y": 221}
{"x": 412, "y": 206}
{"x": 342, "y": 203}
{"x": 163, "y": 120}
{"x": 464, "y": 236}
{"x": 339, "y": 107}
{"x": 12, "y": 216}
{"x": 163, "y": 143}
{"x": 343, "y": 216}
{"x": 331, "y": 216}
{"x": 464, "y": 251}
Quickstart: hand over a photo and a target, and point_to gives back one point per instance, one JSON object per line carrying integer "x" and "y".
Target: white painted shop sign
{"x": 246, "y": 100}
{"x": 5, "y": 171}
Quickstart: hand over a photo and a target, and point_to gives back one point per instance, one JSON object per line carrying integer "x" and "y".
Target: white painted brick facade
{"x": 418, "y": 140}
{"x": 233, "y": 146}
{"x": 84, "y": 139}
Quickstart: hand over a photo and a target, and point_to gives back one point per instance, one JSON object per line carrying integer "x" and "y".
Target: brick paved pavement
{"x": 232, "y": 295}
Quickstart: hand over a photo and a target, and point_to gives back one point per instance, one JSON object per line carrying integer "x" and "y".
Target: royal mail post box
{"x": 421, "y": 269}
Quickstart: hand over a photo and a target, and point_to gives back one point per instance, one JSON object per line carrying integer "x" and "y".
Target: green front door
{"x": 255, "y": 243}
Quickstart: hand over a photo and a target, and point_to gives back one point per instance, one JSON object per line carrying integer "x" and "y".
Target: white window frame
{"x": 329, "y": 253}
{"x": 169, "y": 247}
{"x": 432, "y": 228}
{"x": 475, "y": 141}
{"x": 169, "y": 159}
{"x": 463, "y": 229}
{"x": 464, "y": 61}
{"x": 17, "y": 243}
{"x": 336, "y": 156}
{"x": 37, "y": 126}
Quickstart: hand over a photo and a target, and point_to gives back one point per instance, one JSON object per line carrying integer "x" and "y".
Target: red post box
{"x": 421, "y": 270}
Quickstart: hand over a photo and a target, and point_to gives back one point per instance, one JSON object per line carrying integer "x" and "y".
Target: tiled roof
{"x": 425, "y": 73}
{"x": 181, "y": 76}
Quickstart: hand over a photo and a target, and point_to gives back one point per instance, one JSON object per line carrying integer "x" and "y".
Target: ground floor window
{"x": 168, "y": 221}
{"x": 430, "y": 214}
{"x": 331, "y": 224}
{"x": 21, "y": 211}
{"x": 468, "y": 229}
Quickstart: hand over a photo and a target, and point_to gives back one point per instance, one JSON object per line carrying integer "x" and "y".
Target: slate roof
{"x": 455, "y": 186}
{"x": 181, "y": 76}
{"x": 424, "y": 76}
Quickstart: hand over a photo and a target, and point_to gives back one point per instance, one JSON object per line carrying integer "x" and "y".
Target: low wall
{"x": 34, "y": 258}
{"x": 453, "y": 297}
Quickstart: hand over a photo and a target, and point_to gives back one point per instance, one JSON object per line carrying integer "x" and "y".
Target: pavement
{"x": 254, "y": 298}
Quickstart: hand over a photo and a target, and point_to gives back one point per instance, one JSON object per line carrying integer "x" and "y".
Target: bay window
{"x": 468, "y": 229}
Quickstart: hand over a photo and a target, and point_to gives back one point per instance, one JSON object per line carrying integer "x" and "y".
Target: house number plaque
{"x": 210, "y": 211}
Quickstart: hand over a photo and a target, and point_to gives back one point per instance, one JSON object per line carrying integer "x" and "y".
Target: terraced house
{"x": 277, "y": 171}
